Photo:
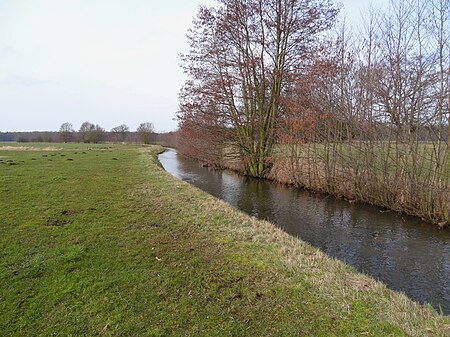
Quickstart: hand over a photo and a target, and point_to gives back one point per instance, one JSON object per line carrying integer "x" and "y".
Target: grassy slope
{"x": 119, "y": 247}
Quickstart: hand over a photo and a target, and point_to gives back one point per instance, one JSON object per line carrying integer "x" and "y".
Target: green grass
{"x": 107, "y": 243}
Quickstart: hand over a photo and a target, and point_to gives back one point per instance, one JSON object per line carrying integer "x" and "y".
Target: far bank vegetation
{"x": 285, "y": 90}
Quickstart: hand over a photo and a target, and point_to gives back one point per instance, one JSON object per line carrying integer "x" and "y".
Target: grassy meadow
{"x": 100, "y": 240}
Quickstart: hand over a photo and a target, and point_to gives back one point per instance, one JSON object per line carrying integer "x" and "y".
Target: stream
{"x": 405, "y": 253}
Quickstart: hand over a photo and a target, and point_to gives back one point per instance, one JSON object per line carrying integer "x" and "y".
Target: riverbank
{"x": 100, "y": 240}
{"x": 374, "y": 241}
{"x": 410, "y": 179}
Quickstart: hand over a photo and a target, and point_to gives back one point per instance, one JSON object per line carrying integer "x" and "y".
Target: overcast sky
{"x": 109, "y": 62}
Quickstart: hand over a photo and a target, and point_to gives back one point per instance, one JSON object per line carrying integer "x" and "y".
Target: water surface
{"x": 405, "y": 253}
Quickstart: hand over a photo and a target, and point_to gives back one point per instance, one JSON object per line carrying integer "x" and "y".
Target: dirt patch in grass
{"x": 57, "y": 222}
{"x": 62, "y": 218}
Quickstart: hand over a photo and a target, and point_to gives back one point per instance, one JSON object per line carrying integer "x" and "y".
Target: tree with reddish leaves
{"x": 243, "y": 55}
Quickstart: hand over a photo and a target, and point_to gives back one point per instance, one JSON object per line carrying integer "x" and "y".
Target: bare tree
{"x": 66, "y": 132}
{"x": 98, "y": 134}
{"x": 243, "y": 54}
{"x": 90, "y": 133}
{"x": 85, "y": 131}
{"x": 145, "y": 133}
{"x": 120, "y": 132}
{"x": 368, "y": 121}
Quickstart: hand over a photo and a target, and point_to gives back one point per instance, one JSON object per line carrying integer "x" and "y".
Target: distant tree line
{"x": 93, "y": 133}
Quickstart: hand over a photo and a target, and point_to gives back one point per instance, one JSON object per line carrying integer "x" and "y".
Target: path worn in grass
{"x": 102, "y": 241}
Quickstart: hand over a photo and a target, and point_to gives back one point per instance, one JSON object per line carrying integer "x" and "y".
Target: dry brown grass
{"x": 29, "y": 148}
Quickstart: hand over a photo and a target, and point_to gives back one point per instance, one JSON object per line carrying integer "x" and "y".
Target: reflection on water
{"x": 403, "y": 252}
